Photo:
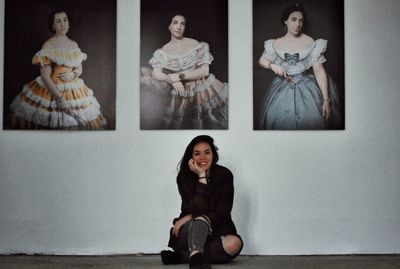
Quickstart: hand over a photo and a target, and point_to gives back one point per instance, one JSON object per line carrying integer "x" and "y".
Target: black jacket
{"x": 214, "y": 199}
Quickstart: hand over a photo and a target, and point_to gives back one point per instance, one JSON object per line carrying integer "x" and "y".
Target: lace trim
{"x": 78, "y": 83}
{"x": 89, "y": 99}
{"x": 53, "y": 119}
{"x": 216, "y": 102}
{"x": 315, "y": 55}
{"x": 198, "y": 55}
{"x": 67, "y": 57}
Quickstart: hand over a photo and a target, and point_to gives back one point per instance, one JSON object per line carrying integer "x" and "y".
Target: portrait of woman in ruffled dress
{"x": 302, "y": 96}
{"x": 58, "y": 98}
{"x": 178, "y": 89}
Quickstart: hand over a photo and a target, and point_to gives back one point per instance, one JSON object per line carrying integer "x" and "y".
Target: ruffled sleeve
{"x": 157, "y": 60}
{"x": 269, "y": 50}
{"x": 41, "y": 60}
{"x": 317, "y": 53}
{"x": 198, "y": 55}
{"x": 203, "y": 54}
{"x": 67, "y": 57}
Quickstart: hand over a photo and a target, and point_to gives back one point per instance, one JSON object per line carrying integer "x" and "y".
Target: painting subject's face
{"x": 295, "y": 23}
{"x": 203, "y": 155}
{"x": 177, "y": 26}
{"x": 61, "y": 23}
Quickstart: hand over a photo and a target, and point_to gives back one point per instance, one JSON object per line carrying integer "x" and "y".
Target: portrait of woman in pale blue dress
{"x": 302, "y": 96}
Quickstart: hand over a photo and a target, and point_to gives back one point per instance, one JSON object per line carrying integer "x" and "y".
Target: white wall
{"x": 296, "y": 192}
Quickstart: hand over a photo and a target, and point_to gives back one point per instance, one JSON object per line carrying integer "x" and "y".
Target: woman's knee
{"x": 232, "y": 244}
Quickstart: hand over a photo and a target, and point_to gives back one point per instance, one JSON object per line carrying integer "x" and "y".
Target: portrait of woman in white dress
{"x": 182, "y": 85}
{"x": 60, "y": 71}
{"x": 300, "y": 85}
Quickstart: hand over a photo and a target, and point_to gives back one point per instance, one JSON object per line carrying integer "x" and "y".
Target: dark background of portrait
{"x": 92, "y": 26}
{"x": 206, "y": 20}
{"x": 325, "y": 21}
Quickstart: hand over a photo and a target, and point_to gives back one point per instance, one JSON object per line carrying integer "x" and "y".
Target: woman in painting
{"x": 58, "y": 98}
{"x": 197, "y": 100}
{"x": 302, "y": 96}
{"x": 204, "y": 232}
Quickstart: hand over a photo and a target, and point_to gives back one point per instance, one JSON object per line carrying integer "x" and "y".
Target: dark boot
{"x": 198, "y": 261}
{"x": 171, "y": 257}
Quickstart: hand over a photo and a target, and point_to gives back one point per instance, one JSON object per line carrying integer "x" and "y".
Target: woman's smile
{"x": 202, "y": 155}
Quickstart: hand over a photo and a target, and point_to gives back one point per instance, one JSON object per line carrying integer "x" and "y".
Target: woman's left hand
{"x": 67, "y": 76}
{"x": 326, "y": 110}
{"x": 174, "y": 77}
{"x": 180, "y": 89}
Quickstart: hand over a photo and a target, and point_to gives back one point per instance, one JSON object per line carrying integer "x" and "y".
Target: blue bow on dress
{"x": 292, "y": 59}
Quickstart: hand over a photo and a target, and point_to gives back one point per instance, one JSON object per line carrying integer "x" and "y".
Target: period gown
{"x": 205, "y": 105}
{"x": 295, "y": 103}
{"x": 35, "y": 107}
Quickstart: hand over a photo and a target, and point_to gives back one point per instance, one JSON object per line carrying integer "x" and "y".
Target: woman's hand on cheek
{"x": 195, "y": 168}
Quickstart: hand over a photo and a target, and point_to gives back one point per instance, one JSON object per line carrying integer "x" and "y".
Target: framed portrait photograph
{"x": 59, "y": 65}
{"x": 184, "y": 65}
{"x": 298, "y": 65}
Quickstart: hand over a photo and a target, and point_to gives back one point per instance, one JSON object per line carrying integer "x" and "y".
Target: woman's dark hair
{"x": 292, "y": 8}
{"x": 184, "y": 163}
{"x": 173, "y": 15}
{"x": 176, "y": 14}
{"x": 50, "y": 18}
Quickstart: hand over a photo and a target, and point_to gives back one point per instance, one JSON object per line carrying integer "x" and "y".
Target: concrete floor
{"x": 247, "y": 262}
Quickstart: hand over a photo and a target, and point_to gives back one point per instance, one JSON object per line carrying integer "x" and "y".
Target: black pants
{"x": 213, "y": 249}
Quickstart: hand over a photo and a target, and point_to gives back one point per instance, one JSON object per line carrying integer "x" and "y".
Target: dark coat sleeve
{"x": 220, "y": 210}
{"x": 194, "y": 195}
{"x": 214, "y": 200}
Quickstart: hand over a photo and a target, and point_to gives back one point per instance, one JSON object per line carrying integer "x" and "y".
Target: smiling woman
{"x": 204, "y": 232}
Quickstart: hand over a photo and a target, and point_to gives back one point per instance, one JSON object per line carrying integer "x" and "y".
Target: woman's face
{"x": 61, "y": 23}
{"x": 203, "y": 155}
{"x": 294, "y": 23}
{"x": 177, "y": 26}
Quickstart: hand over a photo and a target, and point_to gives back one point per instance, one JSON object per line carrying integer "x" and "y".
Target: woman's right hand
{"x": 279, "y": 70}
{"x": 180, "y": 89}
{"x": 193, "y": 166}
{"x": 179, "y": 223}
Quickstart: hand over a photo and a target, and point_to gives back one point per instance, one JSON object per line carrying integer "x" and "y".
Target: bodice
{"x": 198, "y": 55}
{"x": 298, "y": 62}
{"x": 57, "y": 70}
{"x": 69, "y": 57}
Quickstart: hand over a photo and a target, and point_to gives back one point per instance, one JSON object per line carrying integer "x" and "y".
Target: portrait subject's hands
{"x": 180, "y": 89}
{"x": 174, "y": 77}
{"x": 67, "y": 76}
{"x": 279, "y": 70}
{"x": 326, "y": 110}
{"x": 62, "y": 104}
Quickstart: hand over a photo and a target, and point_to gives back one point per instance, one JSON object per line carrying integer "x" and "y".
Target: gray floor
{"x": 247, "y": 262}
